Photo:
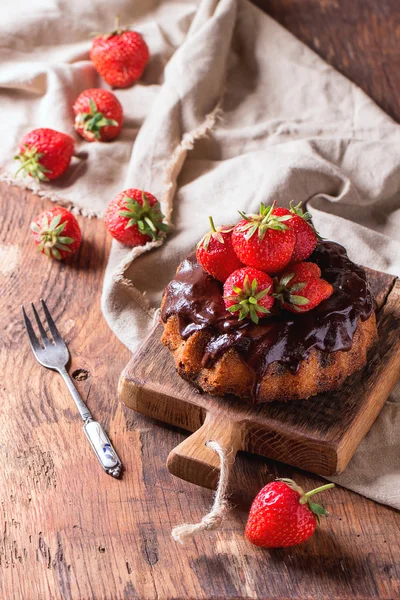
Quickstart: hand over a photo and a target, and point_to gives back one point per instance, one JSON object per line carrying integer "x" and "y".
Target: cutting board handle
{"x": 193, "y": 461}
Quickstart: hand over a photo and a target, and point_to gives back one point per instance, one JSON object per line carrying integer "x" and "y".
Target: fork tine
{"x": 36, "y": 347}
{"x": 52, "y": 326}
{"x": 43, "y": 334}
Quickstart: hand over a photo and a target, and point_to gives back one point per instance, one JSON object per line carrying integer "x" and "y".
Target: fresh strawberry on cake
{"x": 266, "y": 310}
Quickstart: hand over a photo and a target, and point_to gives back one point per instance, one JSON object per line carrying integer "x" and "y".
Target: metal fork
{"x": 54, "y": 354}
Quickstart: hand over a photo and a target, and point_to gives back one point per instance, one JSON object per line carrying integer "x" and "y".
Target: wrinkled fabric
{"x": 232, "y": 110}
{"x": 45, "y": 65}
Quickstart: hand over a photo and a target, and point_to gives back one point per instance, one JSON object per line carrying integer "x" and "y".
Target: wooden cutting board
{"x": 320, "y": 434}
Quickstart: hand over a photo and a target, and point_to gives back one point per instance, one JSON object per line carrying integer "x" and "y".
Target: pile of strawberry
{"x": 260, "y": 261}
{"x": 134, "y": 216}
{"x": 120, "y": 57}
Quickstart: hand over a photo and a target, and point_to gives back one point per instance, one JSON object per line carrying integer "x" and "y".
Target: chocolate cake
{"x": 284, "y": 357}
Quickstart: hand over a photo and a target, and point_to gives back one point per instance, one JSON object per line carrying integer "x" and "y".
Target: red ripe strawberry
{"x": 134, "y": 218}
{"x": 99, "y": 115}
{"x": 248, "y": 294}
{"x": 282, "y": 515}
{"x": 120, "y": 56}
{"x": 56, "y": 233}
{"x": 45, "y": 154}
{"x": 264, "y": 241}
{"x": 306, "y": 235}
{"x": 215, "y": 252}
{"x": 300, "y": 287}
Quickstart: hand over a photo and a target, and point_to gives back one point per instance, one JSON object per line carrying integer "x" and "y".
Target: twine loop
{"x": 214, "y": 518}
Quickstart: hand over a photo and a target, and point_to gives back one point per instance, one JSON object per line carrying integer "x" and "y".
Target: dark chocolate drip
{"x": 286, "y": 338}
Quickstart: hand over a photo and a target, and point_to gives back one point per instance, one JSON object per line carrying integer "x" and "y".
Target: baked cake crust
{"x": 286, "y": 357}
{"x": 319, "y": 372}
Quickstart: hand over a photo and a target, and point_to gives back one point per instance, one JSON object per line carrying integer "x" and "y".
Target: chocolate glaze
{"x": 286, "y": 338}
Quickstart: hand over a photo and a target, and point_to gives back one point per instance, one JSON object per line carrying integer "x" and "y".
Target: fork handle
{"x": 94, "y": 432}
{"x": 103, "y": 448}
{"x": 81, "y": 406}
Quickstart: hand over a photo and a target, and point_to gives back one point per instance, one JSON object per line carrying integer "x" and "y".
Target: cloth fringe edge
{"x": 49, "y": 195}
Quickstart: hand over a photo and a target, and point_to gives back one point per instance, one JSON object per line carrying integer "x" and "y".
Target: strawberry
{"x": 282, "y": 515}
{"x": 120, "y": 56}
{"x": 306, "y": 235}
{"x": 134, "y": 218}
{"x": 215, "y": 252}
{"x": 300, "y": 287}
{"x": 248, "y": 294}
{"x": 45, "y": 154}
{"x": 264, "y": 241}
{"x": 99, "y": 115}
{"x": 56, "y": 233}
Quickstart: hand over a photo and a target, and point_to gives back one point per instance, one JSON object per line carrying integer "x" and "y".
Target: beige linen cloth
{"x": 232, "y": 110}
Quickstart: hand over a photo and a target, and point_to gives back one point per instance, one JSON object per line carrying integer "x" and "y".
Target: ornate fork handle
{"x": 102, "y": 447}
{"x": 94, "y": 432}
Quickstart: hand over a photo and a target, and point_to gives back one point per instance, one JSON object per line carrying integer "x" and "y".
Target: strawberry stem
{"x": 322, "y": 488}
{"x": 212, "y": 224}
{"x": 150, "y": 224}
{"x": 269, "y": 212}
{"x": 117, "y": 29}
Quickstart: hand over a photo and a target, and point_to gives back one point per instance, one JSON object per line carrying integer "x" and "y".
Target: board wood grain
{"x": 320, "y": 434}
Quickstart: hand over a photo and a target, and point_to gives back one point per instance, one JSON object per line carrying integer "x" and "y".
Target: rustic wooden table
{"x": 67, "y": 530}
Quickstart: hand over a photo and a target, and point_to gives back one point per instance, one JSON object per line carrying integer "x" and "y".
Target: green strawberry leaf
{"x": 262, "y": 309}
{"x": 297, "y": 287}
{"x": 234, "y": 308}
{"x": 263, "y": 293}
{"x": 247, "y": 285}
{"x": 93, "y": 106}
{"x": 317, "y": 509}
{"x": 299, "y": 300}
{"x": 35, "y": 227}
{"x": 286, "y": 278}
{"x": 55, "y": 221}
{"x": 253, "y": 315}
{"x": 244, "y": 311}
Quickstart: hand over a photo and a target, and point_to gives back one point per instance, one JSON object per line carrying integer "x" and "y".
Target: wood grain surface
{"x": 70, "y": 532}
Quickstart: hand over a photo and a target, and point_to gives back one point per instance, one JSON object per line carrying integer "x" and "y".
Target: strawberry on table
{"x": 99, "y": 115}
{"x": 134, "y": 218}
{"x": 56, "y": 233}
{"x": 306, "y": 235}
{"x": 264, "y": 241}
{"x": 45, "y": 154}
{"x": 282, "y": 514}
{"x": 120, "y": 57}
{"x": 215, "y": 252}
{"x": 300, "y": 287}
{"x": 248, "y": 294}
